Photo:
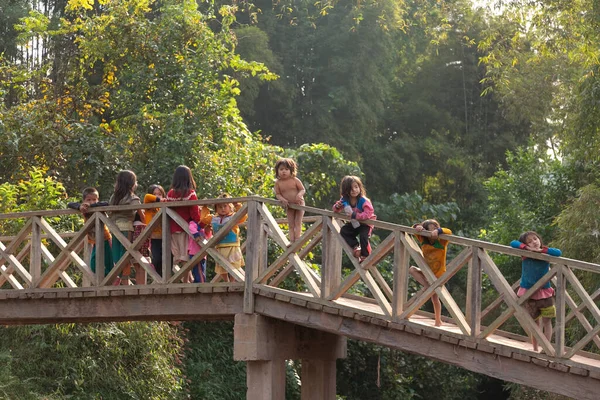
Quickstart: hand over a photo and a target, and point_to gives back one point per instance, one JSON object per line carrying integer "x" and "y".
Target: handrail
{"x": 37, "y": 257}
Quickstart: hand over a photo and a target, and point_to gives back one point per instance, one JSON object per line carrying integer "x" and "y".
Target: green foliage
{"x": 528, "y": 195}
{"x": 39, "y": 192}
{"x": 410, "y": 208}
{"x": 96, "y": 361}
{"x": 13, "y": 387}
{"x": 147, "y": 80}
{"x": 578, "y": 224}
{"x": 209, "y": 365}
{"x": 321, "y": 168}
{"x": 375, "y": 372}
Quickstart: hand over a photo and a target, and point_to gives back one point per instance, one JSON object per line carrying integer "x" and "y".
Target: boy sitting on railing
{"x": 90, "y": 198}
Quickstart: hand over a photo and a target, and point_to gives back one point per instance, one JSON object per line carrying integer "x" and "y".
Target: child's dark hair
{"x": 89, "y": 190}
{"x": 183, "y": 181}
{"x": 428, "y": 222}
{"x": 525, "y": 235}
{"x": 346, "y": 186}
{"x": 124, "y": 186}
{"x": 288, "y": 163}
{"x": 152, "y": 188}
{"x": 224, "y": 196}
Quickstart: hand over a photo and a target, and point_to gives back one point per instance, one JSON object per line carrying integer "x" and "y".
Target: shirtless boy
{"x": 289, "y": 190}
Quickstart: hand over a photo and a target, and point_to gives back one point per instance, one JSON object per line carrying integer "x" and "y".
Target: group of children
{"x": 358, "y": 209}
{"x": 130, "y": 223}
{"x": 353, "y": 203}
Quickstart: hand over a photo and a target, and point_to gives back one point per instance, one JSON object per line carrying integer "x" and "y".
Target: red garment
{"x": 188, "y": 213}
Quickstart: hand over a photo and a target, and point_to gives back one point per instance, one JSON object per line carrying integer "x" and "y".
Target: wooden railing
{"x": 319, "y": 266}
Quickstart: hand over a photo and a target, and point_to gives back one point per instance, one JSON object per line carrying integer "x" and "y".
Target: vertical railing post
{"x": 99, "y": 245}
{"x": 35, "y": 252}
{"x": 473, "y": 306}
{"x": 166, "y": 245}
{"x": 331, "y": 267}
{"x": 253, "y": 254}
{"x": 559, "y": 330}
{"x": 401, "y": 266}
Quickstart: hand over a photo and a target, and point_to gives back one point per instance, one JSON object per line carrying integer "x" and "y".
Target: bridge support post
{"x": 266, "y": 343}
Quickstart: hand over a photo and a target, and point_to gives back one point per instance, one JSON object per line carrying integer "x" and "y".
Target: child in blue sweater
{"x": 541, "y": 304}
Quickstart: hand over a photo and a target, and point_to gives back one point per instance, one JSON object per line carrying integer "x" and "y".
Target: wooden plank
{"x": 520, "y": 300}
{"x": 331, "y": 268}
{"x": 378, "y": 253}
{"x": 559, "y": 326}
{"x": 10, "y": 278}
{"x": 499, "y": 300}
{"x": 293, "y": 248}
{"x": 582, "y": 293}
{"x": 511, "y": 299}
{"x": 211, "y": 244}
{"x": 130, "y": 251}
{"x": 100, "y": 256}
{"x": 61, "y": 274}
{"x": 166, "y": 247}
{"x": 35, "y": 256}
{"x": 302, "y": 254}
{"x": 580, "y": 317}
{"x": 7, "y": 256}
{"x": 401, "y": 265}
{"x": 14, "y": 265}
{"x": 381, "y": 282}
{"x": 574, "y": 309}
{"x": 451, "y": 269}
{"x": 474, "y": 293}
{"x": 50, "y": 275}
{"x": 183, "y": 224}
{"x": 441, "y": 291}
{"x": 253, "y": 256}
{"x": 279, "y": 237}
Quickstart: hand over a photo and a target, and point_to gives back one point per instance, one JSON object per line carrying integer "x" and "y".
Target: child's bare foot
{"x": 438, "y": 322}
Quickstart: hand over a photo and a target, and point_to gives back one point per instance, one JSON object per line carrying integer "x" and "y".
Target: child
{"x": 353, "y": 194}
{"x": 434, "y": 251}
{"x": 124, "y": 195}
{"x": 229, "y": 246}
{"x": 183, "y": 188}
{"x": 289, "y": 190}
{"x": 156, "y": 193}
{"x": 541, "y": 303}
{"x": 195, "y": 241}
{"x": 90, "y": 198}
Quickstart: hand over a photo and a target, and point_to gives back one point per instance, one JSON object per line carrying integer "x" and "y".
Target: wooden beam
{"x": 401, "y": 265}
{"x": 441, "y": 291}
{"x": 279, "y": 237}
{"x": 511, "y": 299}
{"x": 474, "y": 293}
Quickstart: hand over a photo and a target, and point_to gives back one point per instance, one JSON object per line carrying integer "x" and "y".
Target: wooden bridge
{"x": 301, "y": 300}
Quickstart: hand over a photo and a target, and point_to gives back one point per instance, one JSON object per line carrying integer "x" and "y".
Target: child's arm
{"x": 551, "y": 251}
{"x": 338, "y": 206}
{"x": 100, "y": 204}
{"x": 515, "y": 244}
{"x": 237, "y": 207}
{"x": 279, "y": 196}
{"x": 301, "y": 191}
{"x": 205, "y": 216}
{"x": 194, "y": 210}
{"x": 74, "y": 205}
{"x": 150, "y": 198}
